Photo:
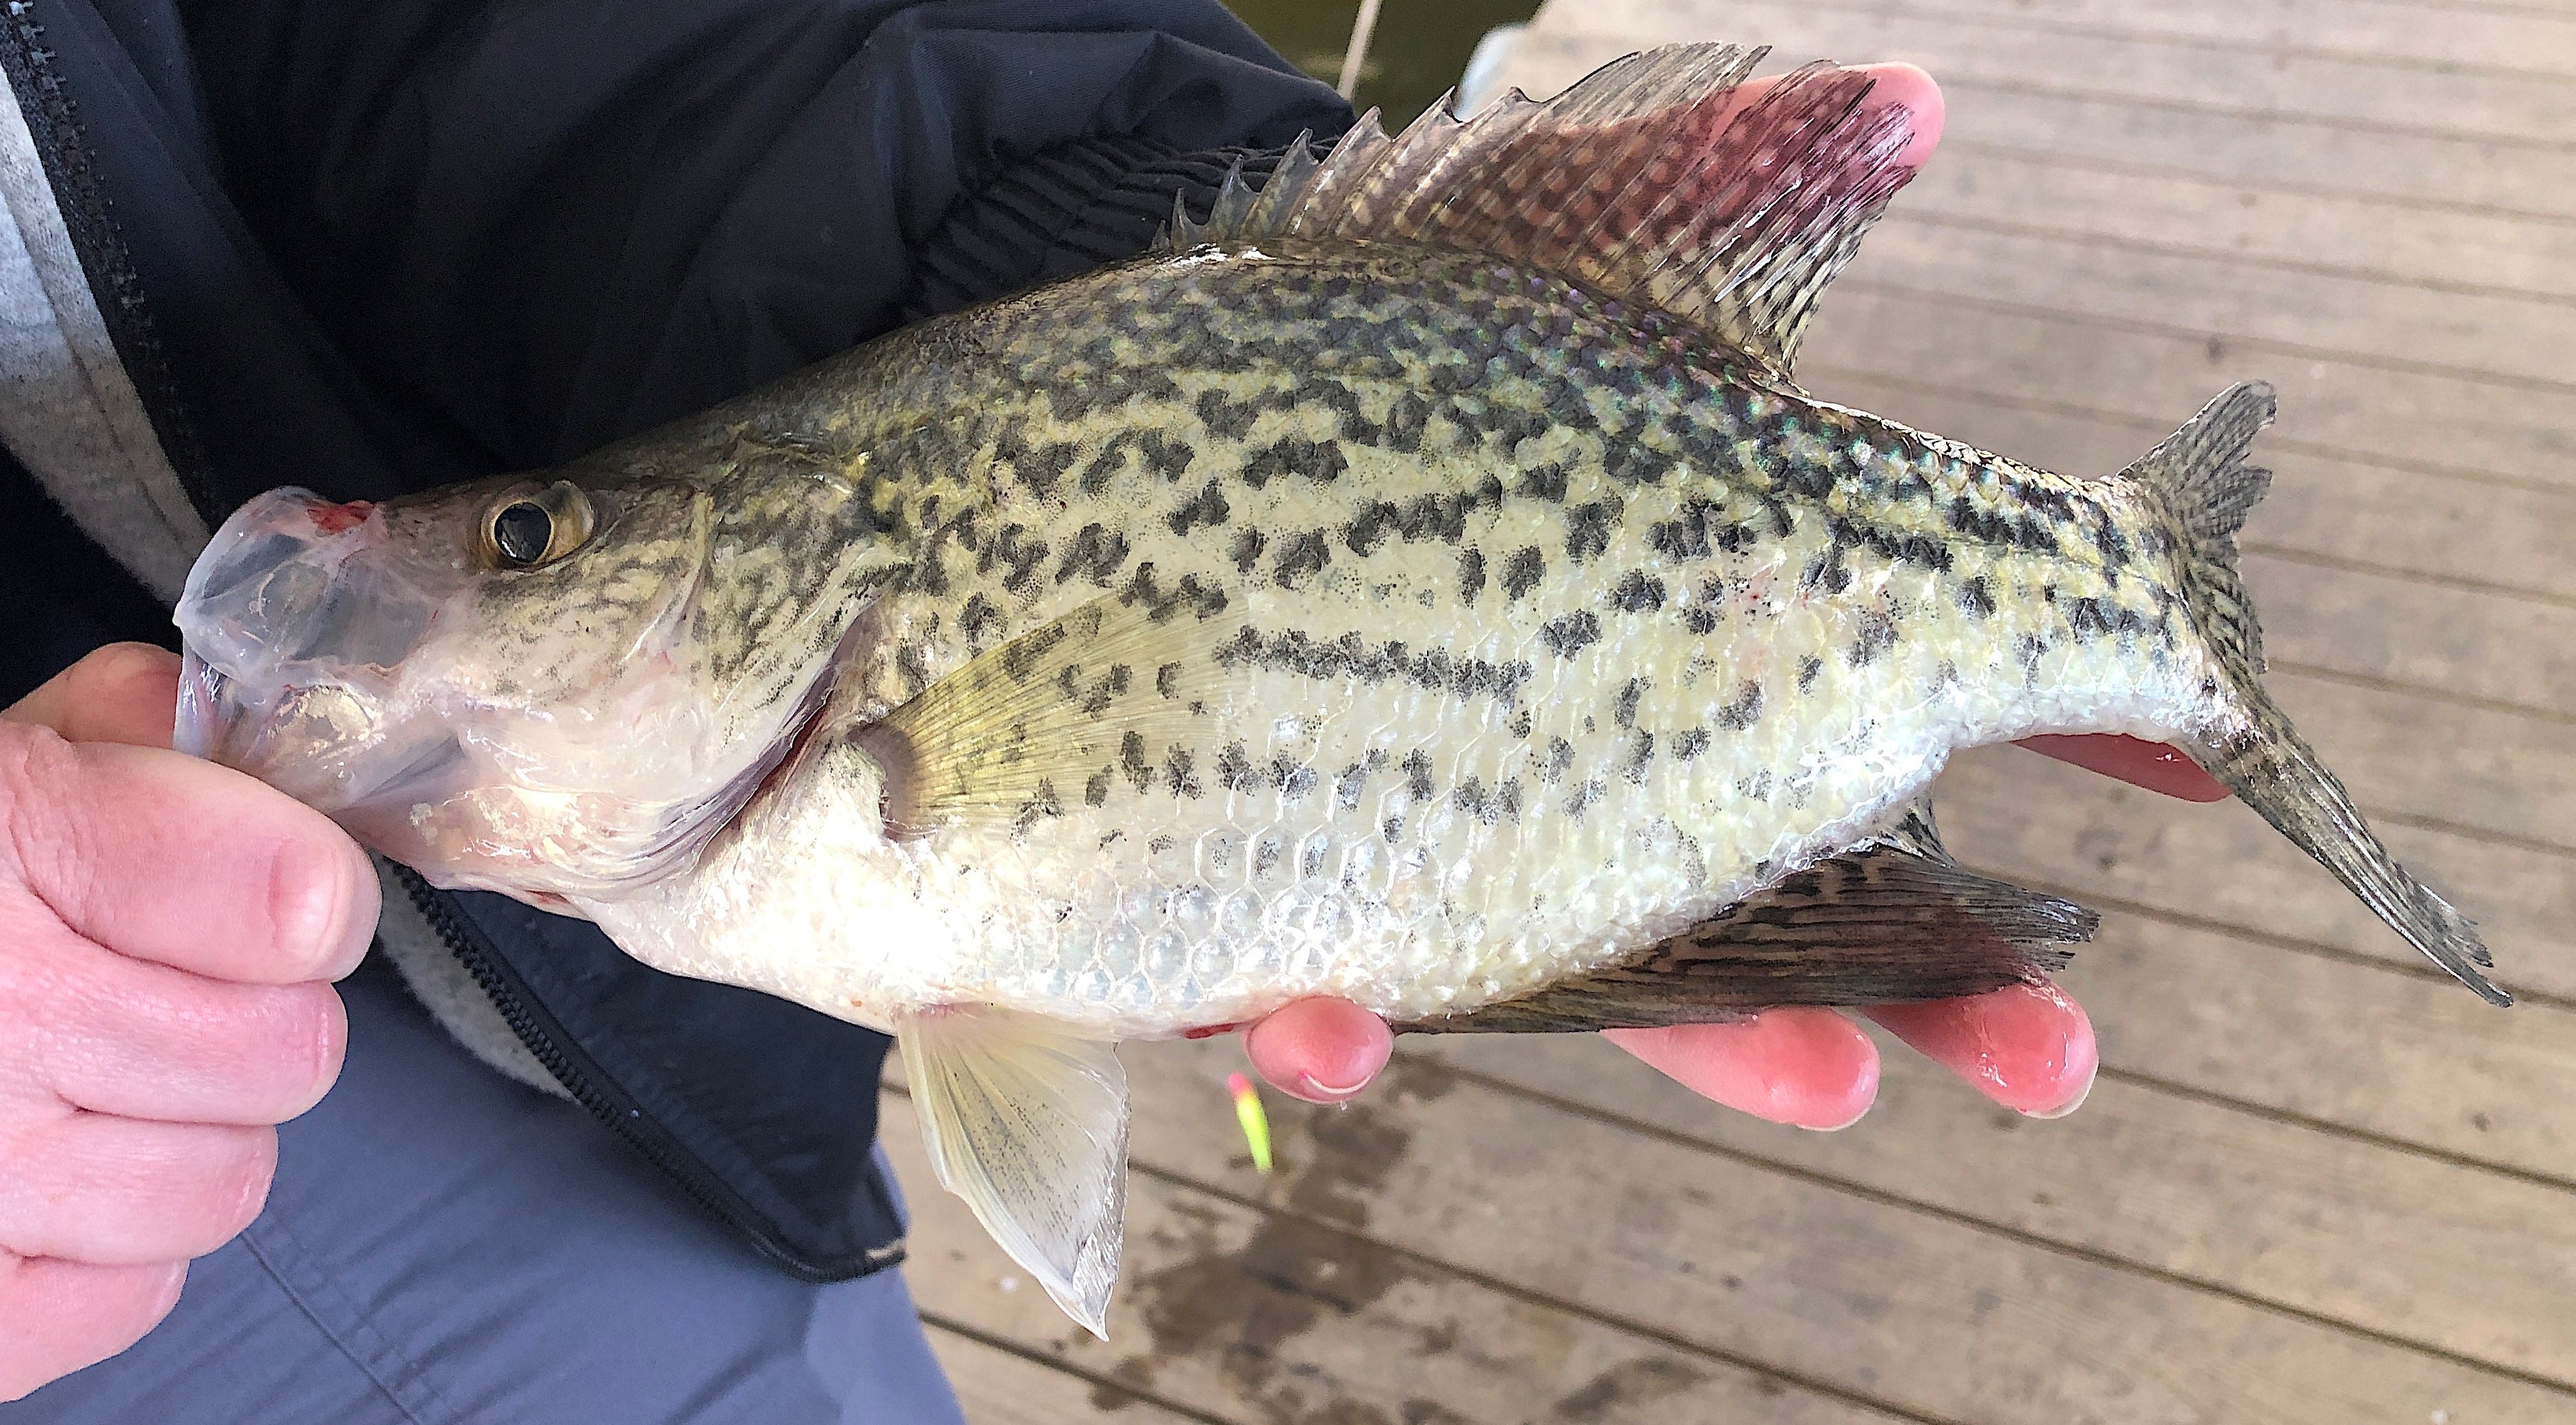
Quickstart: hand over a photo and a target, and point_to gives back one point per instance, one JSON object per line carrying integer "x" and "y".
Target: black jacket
{"x": 378, "y": 245}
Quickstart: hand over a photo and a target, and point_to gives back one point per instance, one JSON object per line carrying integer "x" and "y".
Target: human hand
{"x": 168, "y": 929}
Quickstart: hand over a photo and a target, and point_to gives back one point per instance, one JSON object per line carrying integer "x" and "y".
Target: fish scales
{"x": 1422, "y": 582}
{"x": 1553, "y": 636}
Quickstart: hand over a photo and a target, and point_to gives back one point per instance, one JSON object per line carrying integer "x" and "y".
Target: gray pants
{"x": 445, "y": 1245}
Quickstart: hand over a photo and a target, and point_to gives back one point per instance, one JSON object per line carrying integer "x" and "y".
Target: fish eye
{"x": 524, "y": 529}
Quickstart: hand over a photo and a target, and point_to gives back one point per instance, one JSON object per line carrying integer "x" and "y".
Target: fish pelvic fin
{"x": 1028, "y": 1124}
{"x": 2198, "y": 477}
{"x": 1887, "y": 923}
{"x": 1648, "y": 181}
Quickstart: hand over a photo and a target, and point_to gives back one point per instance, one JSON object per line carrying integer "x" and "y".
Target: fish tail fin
{"x": 2200, "y": 479}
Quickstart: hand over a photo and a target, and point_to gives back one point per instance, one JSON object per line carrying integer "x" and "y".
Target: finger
{"x": 1321, "y": 1050}
{"x": 2151, "y": 765}
{"x": 125, "y": 692}
{"x": 57, "y": 1317}
{"x": 163, "y": 857}
{"x": 1890, "y": 85}
{"x": 2029, "y": 1047}
{"x": 111, "y": 1035}
{"x": 1803, "y": 1066}
{"x": 92, "y": 1187}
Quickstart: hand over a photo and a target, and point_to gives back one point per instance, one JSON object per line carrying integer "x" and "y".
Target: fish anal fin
{"x": 1877, "y": 926}
{"x": 1649, "y": 181}
{"x": 1028, "y": 1124}
{"x": 1079, "y": 709}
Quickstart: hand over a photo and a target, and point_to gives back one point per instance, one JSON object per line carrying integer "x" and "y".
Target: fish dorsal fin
{"x": 1078, "y": 710}
{"x": 1028, "y": 1124}
{"x": 1649, "y": 181}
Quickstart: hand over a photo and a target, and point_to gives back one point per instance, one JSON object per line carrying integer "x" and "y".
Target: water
{"x": 1420, "y": 48}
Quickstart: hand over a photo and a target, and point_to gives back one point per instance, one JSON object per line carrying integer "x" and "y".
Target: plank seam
{"x": 2023, "y": 1236}
{"x": 1096, "y": 1379}
{"x": 2271, "y": 187}
{"x": 2109, "y": 322}
{"x": 2222, "y": 257}
{"x": 2399, "y": 688}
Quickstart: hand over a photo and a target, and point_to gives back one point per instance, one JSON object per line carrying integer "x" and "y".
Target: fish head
{"x": 556, "y": 687}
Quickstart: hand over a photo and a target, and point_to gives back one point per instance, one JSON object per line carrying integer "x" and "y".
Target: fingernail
{"x": 1315, "y": 1090}
{"x": 314, "y": 902}
{"x": 1859, "y": 1114}
{"x": 2071, "y": 1104}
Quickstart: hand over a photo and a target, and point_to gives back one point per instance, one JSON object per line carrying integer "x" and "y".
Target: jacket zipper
{"x": 501, "y": 986}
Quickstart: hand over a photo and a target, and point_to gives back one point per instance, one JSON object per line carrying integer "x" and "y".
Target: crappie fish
{"x": 1421, "y": 583}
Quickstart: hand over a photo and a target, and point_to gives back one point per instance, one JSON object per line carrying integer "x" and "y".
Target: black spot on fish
{"x": 1207, "y": 507}
{"x": 1471, "y": 574}
{"x": 977, "y": 617}
{"x": 1131, "y": 760}
{"x": 1624, "y": 710}
{"x": 1095, "y": 553}
{"x": 1441, "y": 517}
{"x": 1103, "y": 468}
{"x": 1246, "y": 549}
{"x": 1300, "y": 555}
{"x": 1320, "y": 461}
{"x": 1571, "y": 634}
{"x": 1543, "y": 482}
{"x": 1417, "y": 774}
{"x": 1744, "y": 710}
{"x": 1700, "y": 619}
{"x": 1165, "y": 456}
{"x": 1290, "y": 778}
{"x": 1519, "y": 726}
{"x": 1096, "y": 791}
{"x": 1582, "y": 798}
{"x": 1369, "y": 528}
{"x": 1469, "y": 797}
{"x": 1392, "y": 829}
{"x": 909, "y": 666}
{"x": 1507, "y": 798}
{"x": 1041, "y": 804}
{"x": 1267, "y": 853}
{"x": 1354, "y": 779}
{"x": 1405, "y": 420}
{"x": 1178, "y": 773}
{"x": 2028, "y": 650}
{"x": 1877, "y": 634}
{"x": 1808, "y": 668}
{"x": 1227, "y": 417}
{"x": 1041, "y": 469}
{"x": 1560, "y": 756}
{"x": 1522, "y": 571}
{"x": 1975, "y": 599}
{"x": 1641, "y": 757}
{"x": 1310, "y": 864}
{"x": 1587, "y": 529}
{"x": 1234, "y": 770}
{"x": 1690, "y": 743}
{"x": 1637, "y": 593}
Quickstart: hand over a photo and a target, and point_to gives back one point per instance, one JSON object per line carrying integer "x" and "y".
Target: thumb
{"x": 125, "y": 692}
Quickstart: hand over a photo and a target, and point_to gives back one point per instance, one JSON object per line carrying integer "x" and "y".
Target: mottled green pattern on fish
{"x": 1585, "y": 629}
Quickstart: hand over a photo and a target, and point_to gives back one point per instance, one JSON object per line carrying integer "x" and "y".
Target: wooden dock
{"x": 2316, "y": 1182}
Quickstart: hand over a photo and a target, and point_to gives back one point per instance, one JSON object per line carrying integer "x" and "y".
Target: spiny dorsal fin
{"x": 1649, "y": 181}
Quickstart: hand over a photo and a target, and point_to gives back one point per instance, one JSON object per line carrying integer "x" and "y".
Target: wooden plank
{"x": 997, "y": 1387}
{"x": 2474, "y": 1263}
{"x": 2235, "y": 220}
{"x": 1941, "y": 1317}
{"x": 2462, "y": 335}
{"x": 2458, "y": 40}
{"x": 1245, "y": 1314}
{"x": 2023, "y": 817}
{"x": 2414, "y": 1060}
{"x": 2462, "y": 641}
{"x": 2404, "y": 755}
{"x": 2034, "y": 112}
{"x": 2534, "y": 113}
{"x": 2328, "y": 407}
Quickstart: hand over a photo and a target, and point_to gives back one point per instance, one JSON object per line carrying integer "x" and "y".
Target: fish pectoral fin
{"x": 1881, "y": 925}
{"x": 1028, "y": 1123}
{"x": 1650, "y": 180}
{"x": 1103, "y": 702}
